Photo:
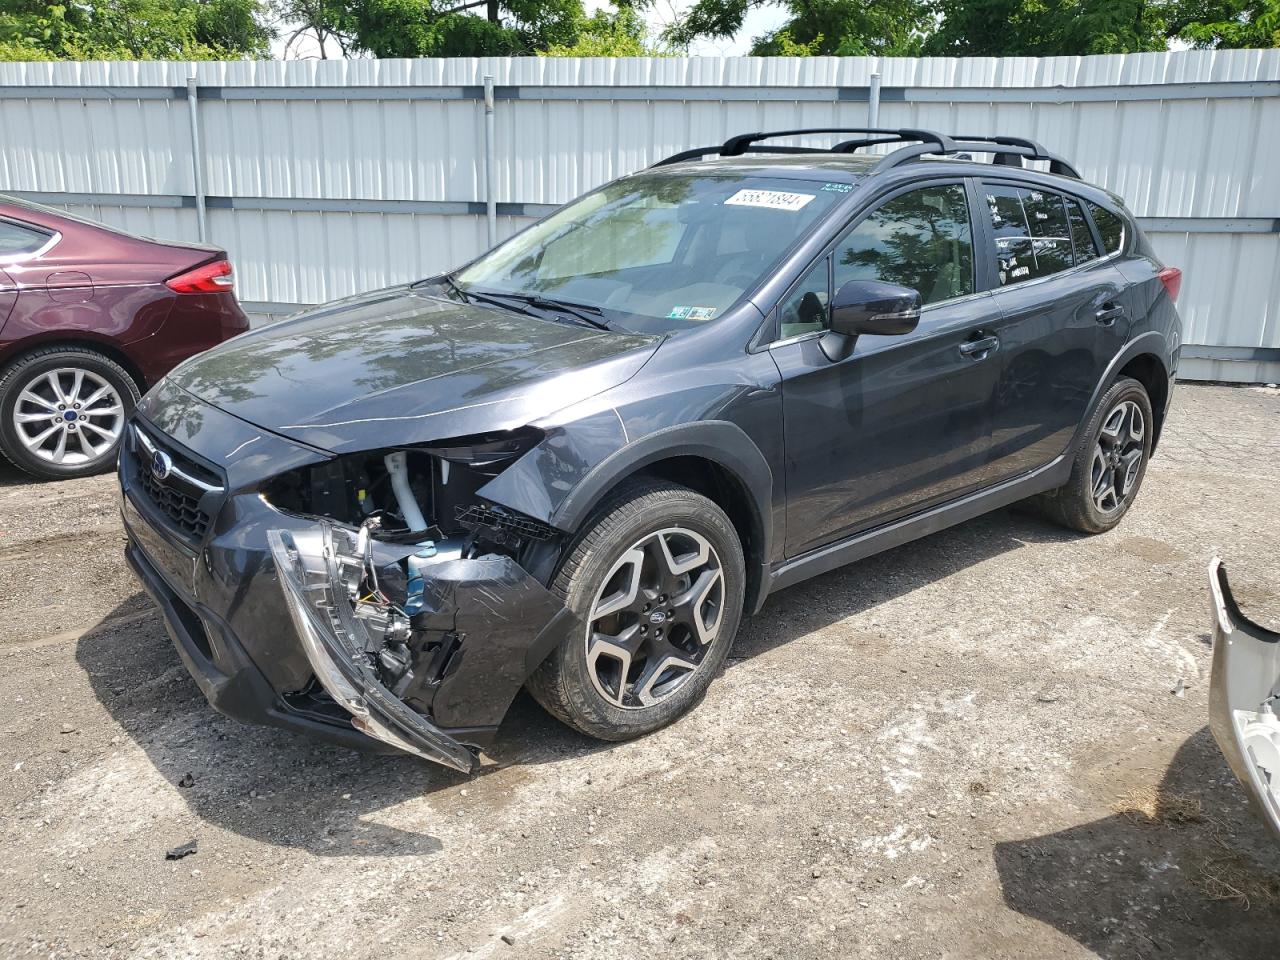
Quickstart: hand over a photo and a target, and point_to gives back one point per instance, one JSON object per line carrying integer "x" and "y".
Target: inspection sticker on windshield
{"x": 691, "y": 313}
{"x": 773, "y": 199}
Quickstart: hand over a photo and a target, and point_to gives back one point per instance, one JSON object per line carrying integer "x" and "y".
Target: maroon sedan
{"x": 90, "y": 317}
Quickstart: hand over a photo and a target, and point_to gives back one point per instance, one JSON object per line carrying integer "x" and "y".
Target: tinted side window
{"x": 16, "y": 240}
{"x": 1081, "y": 235}
{"x": 1110, "y": 227}
{"x": 1031, "y": 233}
{"x": 922, "y": 239}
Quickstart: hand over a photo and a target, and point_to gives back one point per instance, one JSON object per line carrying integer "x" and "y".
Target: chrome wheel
{"x": 657, "y": 614}
{"x": 1117, "y": 457}
{"x": 68, "y": 416}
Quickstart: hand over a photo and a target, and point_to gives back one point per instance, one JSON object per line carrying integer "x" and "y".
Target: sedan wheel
{"x": 69, "y": 416}
{"x": 63, "y": 410}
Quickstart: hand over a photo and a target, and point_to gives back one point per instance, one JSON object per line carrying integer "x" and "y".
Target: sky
{"x": 760, "y": 20}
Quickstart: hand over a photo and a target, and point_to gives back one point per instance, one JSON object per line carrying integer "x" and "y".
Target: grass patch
{"x": 1154, "y": 805}
{"x": 1234, "y": 878}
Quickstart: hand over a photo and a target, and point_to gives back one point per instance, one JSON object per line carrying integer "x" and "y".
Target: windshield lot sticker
{"x": 771, "y": 199}
{"x": 691, "y": 313}
{"x": 837, "y": 187}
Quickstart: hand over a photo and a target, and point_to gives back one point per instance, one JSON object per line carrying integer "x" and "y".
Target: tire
{"x": 27, "y": 391}
{"x": 1074, "y": 505}
{"x": 591, "y": 695}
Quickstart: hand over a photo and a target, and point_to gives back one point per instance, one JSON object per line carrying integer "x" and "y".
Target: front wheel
{"x": 1109, "y": 464}
{"x": 658, "y": 583}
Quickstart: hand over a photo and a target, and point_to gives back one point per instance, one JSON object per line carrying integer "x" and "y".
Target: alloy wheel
{"x": 68, "y": 416}
{"x": 656, "y": 615}
{"x": 1117, "y": 457}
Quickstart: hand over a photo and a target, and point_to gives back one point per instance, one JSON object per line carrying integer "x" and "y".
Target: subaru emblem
{"x": 161, "y": 465}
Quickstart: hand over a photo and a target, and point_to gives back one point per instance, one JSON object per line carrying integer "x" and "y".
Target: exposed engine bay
{"x": 391, "y": 599}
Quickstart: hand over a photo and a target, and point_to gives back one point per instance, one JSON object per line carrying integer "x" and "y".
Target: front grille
{"x": 179, "y": 496}
{"x": 182, "y": 509}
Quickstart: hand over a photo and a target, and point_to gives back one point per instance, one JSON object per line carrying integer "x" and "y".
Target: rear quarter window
{"x": 17, "y": 240}
{"x": 1081, "y": 235}
{"x": 1110, "y": 227}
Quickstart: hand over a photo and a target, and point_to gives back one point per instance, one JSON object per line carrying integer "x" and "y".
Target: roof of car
{"x": 852, "y": 168}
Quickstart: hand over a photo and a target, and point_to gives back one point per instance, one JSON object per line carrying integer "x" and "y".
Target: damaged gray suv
{"x": 576, "y": 463}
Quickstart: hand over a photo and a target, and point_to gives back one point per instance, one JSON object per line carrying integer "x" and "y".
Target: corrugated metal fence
{"x": 326, "y": 178}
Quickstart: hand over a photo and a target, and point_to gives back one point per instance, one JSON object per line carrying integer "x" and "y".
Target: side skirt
{"x": 1049, "y": 477}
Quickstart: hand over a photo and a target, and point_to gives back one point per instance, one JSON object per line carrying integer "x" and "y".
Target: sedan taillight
{"x": 1171, "y": 277}
{"x": 216, "y": 277}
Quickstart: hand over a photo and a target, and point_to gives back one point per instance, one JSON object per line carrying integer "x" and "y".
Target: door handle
{"x": 977, "y": 349}
{"x": 1109, "y": 313}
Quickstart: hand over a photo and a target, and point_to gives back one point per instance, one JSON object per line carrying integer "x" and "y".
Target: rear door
{"x": 1062, "y": 319}
{"x": 896, "y": 423}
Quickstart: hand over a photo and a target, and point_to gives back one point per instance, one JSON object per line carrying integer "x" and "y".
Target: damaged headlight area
{"x": 412, "y": 596}
{"x": 418, "y": 494}
{"x": 1243, "y": 696}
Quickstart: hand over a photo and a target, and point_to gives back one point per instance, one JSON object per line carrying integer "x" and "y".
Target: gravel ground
{"x": 965, "y": 747}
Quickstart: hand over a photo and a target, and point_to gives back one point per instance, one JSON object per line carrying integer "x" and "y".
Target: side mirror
{"x": 880, "y": 309}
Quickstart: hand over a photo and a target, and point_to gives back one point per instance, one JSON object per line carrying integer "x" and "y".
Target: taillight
{"x": 1171, "y": 277}
{"x": 216, "y": 277}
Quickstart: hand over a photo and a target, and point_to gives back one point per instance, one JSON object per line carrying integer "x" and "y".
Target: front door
{"x": 896, "y": 423}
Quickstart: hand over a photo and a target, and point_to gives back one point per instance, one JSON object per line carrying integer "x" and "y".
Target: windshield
{"x": 659, "y": 252}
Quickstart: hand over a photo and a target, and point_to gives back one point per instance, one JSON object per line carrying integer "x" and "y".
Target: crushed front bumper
{"x": 230, "y": 611}
{"x": 313, "y": 591}
{"x": 1243, "y": 692}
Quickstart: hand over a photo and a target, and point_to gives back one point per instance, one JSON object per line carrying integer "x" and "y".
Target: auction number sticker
{"x": 772, "y": 199}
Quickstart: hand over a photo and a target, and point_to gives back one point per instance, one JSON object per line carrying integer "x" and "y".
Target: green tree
{"x": 987, "y": 28}
{"x": 465, "y": 28}
{"x": 1048, "y": 28}
{"x": 814, "y": 27}
{"x": 133, "y": 30}
{"x": 618, "y": 33}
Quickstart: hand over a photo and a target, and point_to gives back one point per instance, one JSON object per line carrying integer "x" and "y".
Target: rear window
{"x": 17, "y": 240}
{"x": 1110, "y": 227}
{"x": 1032, "y": 236}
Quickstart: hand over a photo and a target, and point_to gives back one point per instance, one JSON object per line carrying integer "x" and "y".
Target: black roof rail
{"x": 1008, "y": 151}
{"x": 746, "y": 142}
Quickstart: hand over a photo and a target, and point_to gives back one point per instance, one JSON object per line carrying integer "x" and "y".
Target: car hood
{"x": 398, "y": 367}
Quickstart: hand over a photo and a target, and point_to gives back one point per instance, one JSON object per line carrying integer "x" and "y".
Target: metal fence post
{"x": 197, "y": 157}
{"x": 873, "y": 102}
{"x": 490, "y": 174}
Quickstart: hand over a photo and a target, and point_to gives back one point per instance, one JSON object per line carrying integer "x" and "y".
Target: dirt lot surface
{"x": 967, "y": 747}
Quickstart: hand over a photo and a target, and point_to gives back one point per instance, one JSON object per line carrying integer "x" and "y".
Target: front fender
{"x": 558, "y": 484}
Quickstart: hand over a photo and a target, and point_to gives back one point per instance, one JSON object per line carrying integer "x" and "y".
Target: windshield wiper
{"x": 458, "y": 291}
{"x": 496, "y": 300}
{"x": 586, "y": 313}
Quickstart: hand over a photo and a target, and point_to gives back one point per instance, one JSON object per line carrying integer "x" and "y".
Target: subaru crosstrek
{"x": 576, "y": 463}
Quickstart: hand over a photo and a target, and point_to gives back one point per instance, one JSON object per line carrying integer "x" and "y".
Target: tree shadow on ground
{"x": 320, "y": 797}
{"x": 1182, "y": 871}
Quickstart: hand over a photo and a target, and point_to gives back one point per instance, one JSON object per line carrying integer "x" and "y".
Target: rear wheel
{"x": 1109, "y": 464}
{"x": 658, "y": 582}
{"x": 62, "y": 411}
